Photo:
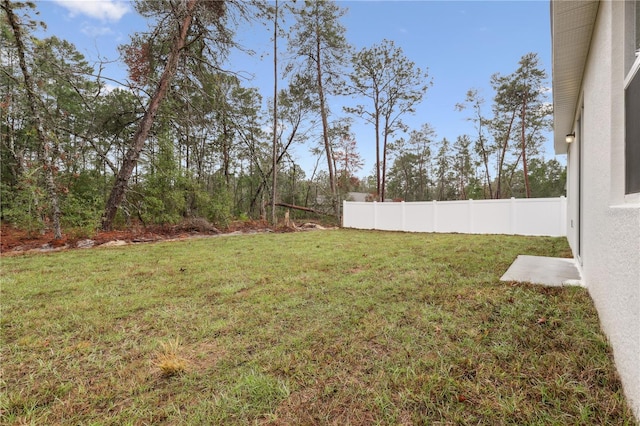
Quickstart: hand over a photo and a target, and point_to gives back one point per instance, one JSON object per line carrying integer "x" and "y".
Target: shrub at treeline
{"x": 180, "y": 138}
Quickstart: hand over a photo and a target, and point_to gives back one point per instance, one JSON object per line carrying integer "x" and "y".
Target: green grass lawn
{"x": 328, "y": 327}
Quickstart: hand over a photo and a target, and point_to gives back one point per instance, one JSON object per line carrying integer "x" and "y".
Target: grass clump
{"x": 169, "y": 360}
{"x": 332, "y": 327}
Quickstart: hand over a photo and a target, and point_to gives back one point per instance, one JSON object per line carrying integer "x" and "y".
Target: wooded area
{"x": 180, "y": 138}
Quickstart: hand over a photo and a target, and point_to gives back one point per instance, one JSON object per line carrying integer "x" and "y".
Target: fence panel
{"x": 491, "y": 216}
{"x": 419, "y": 217}
{"x": 452, "y": 216}
{"x": 389, "y": 216}
{"x": 533, "y": 216}
{"x": 359, "y": 216}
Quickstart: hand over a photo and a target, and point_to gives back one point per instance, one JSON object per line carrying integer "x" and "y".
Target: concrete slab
{"x": 549, "y": 271}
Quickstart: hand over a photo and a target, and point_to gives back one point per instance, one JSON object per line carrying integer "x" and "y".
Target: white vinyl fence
{"x": 531, "y": 216}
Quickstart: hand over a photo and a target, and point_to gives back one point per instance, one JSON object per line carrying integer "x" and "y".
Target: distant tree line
{"x": 184, "y": 136}
{"x": 501, "y": 159}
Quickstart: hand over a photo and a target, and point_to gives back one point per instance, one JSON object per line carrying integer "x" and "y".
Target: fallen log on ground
{"x": 304, "y": 209}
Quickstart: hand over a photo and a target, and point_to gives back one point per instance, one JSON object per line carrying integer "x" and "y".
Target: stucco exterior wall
{"x": 609, "y": 244}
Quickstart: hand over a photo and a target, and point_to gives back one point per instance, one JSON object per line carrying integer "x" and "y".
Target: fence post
{"x": 403, "y": 226}
{"x": 375, "y": 215}
{"x": 344, "y": 213}
{"x": 563, "y": 216}
{"x": 512, "y": 216}
{"x": 471, "y": 219}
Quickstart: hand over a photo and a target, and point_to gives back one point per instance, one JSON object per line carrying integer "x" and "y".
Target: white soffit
{"x": 572, "y": 24}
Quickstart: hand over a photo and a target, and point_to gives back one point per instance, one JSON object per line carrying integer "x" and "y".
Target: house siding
{"x": 610, "y": 239}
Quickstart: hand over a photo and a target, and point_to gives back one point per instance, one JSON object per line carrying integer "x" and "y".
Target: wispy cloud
{"x": 104, "y": 10}
{"x": 95, "y": 31}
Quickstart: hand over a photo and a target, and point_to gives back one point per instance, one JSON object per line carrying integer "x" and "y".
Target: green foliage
{"x": 169, "y": 194}
{"x": 209, "y": 151}
{"x": 168, "y": 202}
{"x": 161, "y": 206}
{"x": 81, "y": 213}
{"x": 407, "y": 180}
{"x": 83, "y": 204}
{"x": 547, "y": 178}
{"x": 475, "y": 189}
{"x": 218, "y": 207}
{"x": 25, "y": 205}
{"x": 162, "y": 198}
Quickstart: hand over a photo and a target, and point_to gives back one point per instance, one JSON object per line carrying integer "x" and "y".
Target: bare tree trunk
{"x": 485, "y": 161}
{"x": 44, "y": 144}
{"x": 17, "y": 155}
{"x": 265, "y": 177}
{"x": 502, "y": 155}
{"x": 377, "y": 127}
{"x": 463, "y": 189}
{"x": 139, "y": 138}
{"x": 274, "y": 168}
{"x": 524, "y": 150}
{"x": 325, "y": 129}
{"x": 226, "y": 154}
{"x": 383, "y": 180}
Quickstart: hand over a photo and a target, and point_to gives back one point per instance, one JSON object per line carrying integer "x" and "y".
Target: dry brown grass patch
{"x": 169, "y": 360}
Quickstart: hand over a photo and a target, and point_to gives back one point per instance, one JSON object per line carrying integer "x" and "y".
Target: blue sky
{"x": 461, "y": 43}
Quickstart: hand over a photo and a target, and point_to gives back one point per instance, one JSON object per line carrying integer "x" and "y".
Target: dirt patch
{"x": 15, "y": 241}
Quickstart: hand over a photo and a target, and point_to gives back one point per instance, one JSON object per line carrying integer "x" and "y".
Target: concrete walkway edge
{"x": 548, "y": 271}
